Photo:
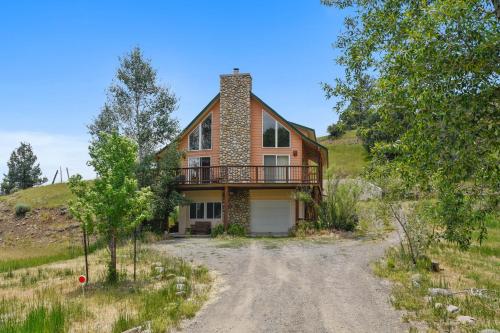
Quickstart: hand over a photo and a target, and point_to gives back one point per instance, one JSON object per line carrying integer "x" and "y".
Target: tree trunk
{"x": 85, "y": 251}
{"x": 496, "y": 7}
{"x": 112, "y": 274}
{"x": 135, "y": 252}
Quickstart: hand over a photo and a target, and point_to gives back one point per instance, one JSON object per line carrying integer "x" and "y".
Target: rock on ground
{"x": 466, "y": 319}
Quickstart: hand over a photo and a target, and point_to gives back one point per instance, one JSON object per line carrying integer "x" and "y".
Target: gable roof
{"x": 293, "y": 126}
{"x": 306, "y": 129}
{"x": 199, "y": 115}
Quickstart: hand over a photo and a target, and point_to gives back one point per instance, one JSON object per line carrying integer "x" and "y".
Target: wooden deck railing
{"x": 249, "y": 174}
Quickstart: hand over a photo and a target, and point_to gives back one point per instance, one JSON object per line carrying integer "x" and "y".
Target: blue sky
{"x": 58, "y": 57}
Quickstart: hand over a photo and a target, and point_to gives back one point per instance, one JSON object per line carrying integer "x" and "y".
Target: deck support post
{"x": 296, "y": 212}
{"x": 226, "y": 207}
{"x": 320, "y": 172}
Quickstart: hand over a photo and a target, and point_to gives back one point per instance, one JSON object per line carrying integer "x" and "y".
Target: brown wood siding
{"x": 257, "y": 151}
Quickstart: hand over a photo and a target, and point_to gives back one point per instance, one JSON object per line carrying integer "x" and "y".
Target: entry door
{"x": 275, "y": 167}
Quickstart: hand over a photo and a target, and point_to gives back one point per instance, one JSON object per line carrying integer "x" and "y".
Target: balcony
{"x": 249, "y": 175}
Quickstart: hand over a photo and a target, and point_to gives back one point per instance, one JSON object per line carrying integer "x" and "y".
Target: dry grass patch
{"x": 53, "y": 290}
{"x": 472, "y": 275}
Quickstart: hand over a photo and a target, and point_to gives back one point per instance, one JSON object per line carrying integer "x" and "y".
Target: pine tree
{"x": 23, "y": 171}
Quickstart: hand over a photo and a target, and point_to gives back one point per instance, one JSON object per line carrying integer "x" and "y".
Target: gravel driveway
{"x": 291, "y": 286}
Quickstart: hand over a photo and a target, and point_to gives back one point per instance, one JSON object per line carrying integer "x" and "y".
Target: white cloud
{"x": 52, "y": 150}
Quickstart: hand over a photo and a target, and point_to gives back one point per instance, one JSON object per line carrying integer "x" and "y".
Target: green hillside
{"x": 346, "y": 155}
{"x": 47, "y": 196}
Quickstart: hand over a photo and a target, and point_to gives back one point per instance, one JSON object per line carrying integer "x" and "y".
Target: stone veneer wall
{"x": 235, "y": 90}
{"x": 239, "y": 207}
{"x": 235, "y": 94}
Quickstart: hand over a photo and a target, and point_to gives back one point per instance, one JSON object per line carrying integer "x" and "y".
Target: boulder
{"x": 180, "y": 279}
{"x": 452, "y": 308}
{"x": 440, "y": 292}
{"x": 466, "y": 320}
{"x": 416, "y": 279}
{"x": 489, "y": 330}
{"x": 368, "y": 190}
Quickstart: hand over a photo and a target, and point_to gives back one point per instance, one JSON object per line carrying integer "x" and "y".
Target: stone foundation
{"x": 239, "y": 207}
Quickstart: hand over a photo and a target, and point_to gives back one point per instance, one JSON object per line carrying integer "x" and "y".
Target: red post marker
{"x": 82, "y": 279}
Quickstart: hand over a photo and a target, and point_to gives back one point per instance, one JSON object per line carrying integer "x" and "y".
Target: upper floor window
{"x": 273, "y": 133}
{"x": 201, "y": 136}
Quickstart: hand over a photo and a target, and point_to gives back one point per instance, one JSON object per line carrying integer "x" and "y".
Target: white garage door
{"x": 270, "y": 216}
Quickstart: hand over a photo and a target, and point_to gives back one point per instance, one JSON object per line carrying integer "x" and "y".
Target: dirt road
{"x": 292, "y": 287}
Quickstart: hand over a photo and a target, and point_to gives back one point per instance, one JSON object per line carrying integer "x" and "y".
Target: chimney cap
{"x": 236, "y": 70}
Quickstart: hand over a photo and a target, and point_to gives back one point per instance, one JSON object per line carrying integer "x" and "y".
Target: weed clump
{"x": 21, "y": 209}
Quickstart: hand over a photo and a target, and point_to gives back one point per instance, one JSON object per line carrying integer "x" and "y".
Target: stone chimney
{"x": 235, "y": 91}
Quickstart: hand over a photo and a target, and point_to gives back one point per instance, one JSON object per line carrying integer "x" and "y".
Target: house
{"x": 242, "y": 163}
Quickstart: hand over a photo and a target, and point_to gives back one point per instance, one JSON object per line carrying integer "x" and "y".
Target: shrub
{"x": 416, "y": 222}
{"x": 21, "y": 209}
{"x": 173, "y": 217}
{"x": 236, "y": 229}
{"x": 338, "y": 208}
{"x": 303, "y": 229}
{"x": 335, "y": 130}
{"x": 218, "y": 230}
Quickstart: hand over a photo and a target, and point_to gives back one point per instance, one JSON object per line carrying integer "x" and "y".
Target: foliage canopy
{"x": 435, "y": 96}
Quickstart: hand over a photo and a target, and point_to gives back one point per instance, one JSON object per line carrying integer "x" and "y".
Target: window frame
{"x": 273, "y": 174}
{"x": 213, "y": 212}
{"x": 276, "y": 126}
{"x": 205, "y": 210}
{"x": 200, "y": 139}
{"x": 196, "y": 211}
{"x": 276, "y": 158}
{"x": 190, "y": 158}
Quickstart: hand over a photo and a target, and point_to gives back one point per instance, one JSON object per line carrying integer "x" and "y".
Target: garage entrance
{"x": 270, "y": 216}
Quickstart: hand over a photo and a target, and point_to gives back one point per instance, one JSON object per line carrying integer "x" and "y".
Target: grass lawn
{"x": 47, "y": 196}
{"x": 477, "y": 268}
{"x": 346, "y": 155}
{"x": 49, "y": 298}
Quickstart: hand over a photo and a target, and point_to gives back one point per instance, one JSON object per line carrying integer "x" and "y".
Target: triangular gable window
{"x": 274, "y": 134}
{"x": 201, "y": 136}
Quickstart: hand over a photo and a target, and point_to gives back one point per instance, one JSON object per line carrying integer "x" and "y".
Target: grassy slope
{"x": 30, "y": 255}
{"x": 48, "y": 196}
{"x": 346, "y": 155}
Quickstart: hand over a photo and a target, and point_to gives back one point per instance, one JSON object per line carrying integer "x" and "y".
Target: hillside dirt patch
{"x": 40, "y": 227}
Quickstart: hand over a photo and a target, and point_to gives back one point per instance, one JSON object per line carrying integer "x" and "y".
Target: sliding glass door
{"x": 275, "y": 167}
{"x": 200, "y": 172}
